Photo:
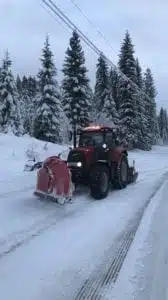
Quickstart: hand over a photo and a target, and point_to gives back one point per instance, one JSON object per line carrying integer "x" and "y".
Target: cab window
{"x": 109, "y": 139}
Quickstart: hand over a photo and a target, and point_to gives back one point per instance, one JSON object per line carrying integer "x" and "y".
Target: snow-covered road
{"x": 48, "y": 251}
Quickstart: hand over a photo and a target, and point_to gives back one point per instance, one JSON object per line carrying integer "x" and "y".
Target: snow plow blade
{"x": 54, "y": 181}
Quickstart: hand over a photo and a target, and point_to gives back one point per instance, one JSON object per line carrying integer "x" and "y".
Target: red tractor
{"x": 98, "y": 162}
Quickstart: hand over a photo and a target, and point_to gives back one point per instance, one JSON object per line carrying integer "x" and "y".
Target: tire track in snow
{"x": 20, "y": 237}
{"x": 105, "y": 275}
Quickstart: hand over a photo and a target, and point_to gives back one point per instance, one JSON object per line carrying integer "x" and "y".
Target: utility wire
{"x": 53, "y": 16}
{"x": 59, "y": 13}
{"x": 92, "y": 24}
{"x": 50, "y": 4}
{"x": 54, "y": 8}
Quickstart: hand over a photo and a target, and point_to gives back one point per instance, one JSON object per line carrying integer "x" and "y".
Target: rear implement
{"x": 54, "y": 180}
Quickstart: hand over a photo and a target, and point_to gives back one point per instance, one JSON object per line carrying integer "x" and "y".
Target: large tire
{"x": 99, "y": 181}
{"x": 121, "y": 178}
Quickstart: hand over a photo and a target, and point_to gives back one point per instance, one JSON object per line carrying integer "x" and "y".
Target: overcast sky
{"x": 24, "y": 24}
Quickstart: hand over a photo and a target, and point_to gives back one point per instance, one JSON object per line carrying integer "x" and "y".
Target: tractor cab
{"x": 97, "y": 136}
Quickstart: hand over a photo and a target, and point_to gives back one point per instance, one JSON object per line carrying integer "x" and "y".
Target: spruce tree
{"x": 9, "y": 108}
{"x": 75, "y": 84}
{"x": 161, "y": 122}
{"x": 143, "y": 137}
{"x": 163, "y": 125}
{"x": 113, "y": 82}
{"x": 18, "y": 84}
{"x": 25, "y": 106}
{"x": 32, "y": 86}
{"x": 127, "y": 92}
{"x": 150, "y": 105}
{"x": 102, "y": 84}
{"x": 139, "y": 77}
{"x": 47, "y": 118}
{"x": 25, "y": 82}
{"x": 166, "y": 126}
{"x": 109, "y": 111}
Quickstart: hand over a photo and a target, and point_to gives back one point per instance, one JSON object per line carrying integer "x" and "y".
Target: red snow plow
{"x": 54, "y": 180}
{"x": 97, "y": 162}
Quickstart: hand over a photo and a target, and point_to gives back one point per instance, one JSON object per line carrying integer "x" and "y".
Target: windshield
{"x": 90, "y": 139}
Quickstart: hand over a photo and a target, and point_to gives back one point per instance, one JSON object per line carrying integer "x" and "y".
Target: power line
{"x": 53, "y": 16}
{"x": 92, "y": 24}
{"x": 54, "y": 8}
{"x": 61, "y": 15}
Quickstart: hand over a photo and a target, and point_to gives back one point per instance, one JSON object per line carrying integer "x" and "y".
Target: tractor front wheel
{"x": 99, "y": 182}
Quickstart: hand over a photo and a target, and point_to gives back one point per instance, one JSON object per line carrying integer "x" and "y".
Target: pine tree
{"x": 143, "y": 136}
{"x": 139, "y": 77}
{"x": 127, "y": 63}
{"x": 161, "y": 121}
{"x": 109, "y": 110}
{"x": 166, "y": 126}
{"x": 29, "y": 93}
{"x": 47, "y": 118}
{"x": 102, "y": 84}
{"x": 75, "y": 85}
{"x": 25, "y": 82}
{"x": 113, "y": 82}
{"x": 18, "y": 84}
{"x": 127, "y": 92}
{"x": 9, "y": 108}
{"x": 25, "y": 106}
{"x": 32, "y": 86}
{"x": 163, "y": 125}
{"x": 150, "y": 105}
{"x": 90, "y": 96}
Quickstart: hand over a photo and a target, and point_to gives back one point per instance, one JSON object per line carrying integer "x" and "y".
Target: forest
{"x": 124, "y": 96}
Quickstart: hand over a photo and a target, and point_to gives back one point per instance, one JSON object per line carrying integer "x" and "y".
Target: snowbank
{"x": 15, "y": 151}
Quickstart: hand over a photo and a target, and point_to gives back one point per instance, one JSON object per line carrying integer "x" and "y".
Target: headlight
{"x": 75, "y": 164}
{"x": 104, "y": 146}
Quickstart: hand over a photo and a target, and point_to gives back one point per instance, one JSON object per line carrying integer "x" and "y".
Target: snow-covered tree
{"x": 150, "y": 105}
{"x": 139, "y": 77}
{"x": 32, "y": 86}
{"x": 90, "y": 96}
{"x": 109, "y": 110}
{"x": 127, "y": 91}
{"x": 113, "y": 82}
{"x": 27, "y": 92}
{"x": 102, "y": 84}
{"x": 18, "y": 84}
{"x": 163, "y": 125}
{"x": 161, "y": 122}
{"x": 47, "y": 118}
{"x": 76, "y": 101}
{"x": 9, "y": 108}
{"x": 143, "y": 135}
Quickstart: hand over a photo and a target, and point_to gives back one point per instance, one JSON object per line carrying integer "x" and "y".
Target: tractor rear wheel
{"x": 99, "y": 182}
{"x": 121, "y": 179}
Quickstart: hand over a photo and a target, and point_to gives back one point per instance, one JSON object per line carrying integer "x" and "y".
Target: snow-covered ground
{"x": 75, "y": 251}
